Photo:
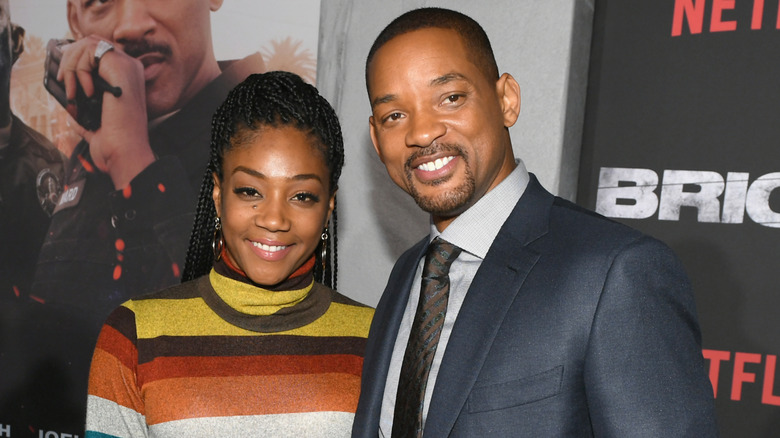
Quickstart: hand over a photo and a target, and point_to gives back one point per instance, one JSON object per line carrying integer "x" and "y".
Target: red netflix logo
{"x": 692, "y": 13}
{"x": 741, "y": 375}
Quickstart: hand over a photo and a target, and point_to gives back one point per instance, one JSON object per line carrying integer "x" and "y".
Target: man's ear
{"x": 508, "y": 91}
{"x": 372, "y": 131}
{"x": 215, "y": 195}
{"x": 73, "y": 20}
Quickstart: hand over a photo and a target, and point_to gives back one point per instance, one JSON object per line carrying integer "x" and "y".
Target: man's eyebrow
{"x": 383, "y": 99}
{"x": 449, "y": 77}
{"x": 441, "y": 80}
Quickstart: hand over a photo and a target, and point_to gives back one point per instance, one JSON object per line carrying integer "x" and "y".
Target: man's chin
{"x": 445, "y": 205}
{"x": 157, "y": 106}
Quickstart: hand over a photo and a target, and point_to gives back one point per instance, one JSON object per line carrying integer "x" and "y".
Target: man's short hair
{"x": 474, "y": 37}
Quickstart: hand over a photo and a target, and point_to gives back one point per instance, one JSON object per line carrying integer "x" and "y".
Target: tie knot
{"x": 440, "y": 256}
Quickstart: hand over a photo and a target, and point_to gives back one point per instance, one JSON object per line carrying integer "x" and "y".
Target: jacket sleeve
{"x": 644, "y": 370}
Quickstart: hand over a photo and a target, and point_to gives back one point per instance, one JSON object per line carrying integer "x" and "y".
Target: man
{"x": 558, "y": 322}
{"x": 30, "y": 179}
{"x": 122, "y": 225}
{"x": 31, "y": 171}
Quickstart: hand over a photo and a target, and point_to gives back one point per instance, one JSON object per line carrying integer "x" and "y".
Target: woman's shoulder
{"x": 339, "y": 298}
{"x": 169, "y": 296}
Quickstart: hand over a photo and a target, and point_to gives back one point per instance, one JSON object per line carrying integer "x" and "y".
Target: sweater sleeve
{"x": 115, "y": 407}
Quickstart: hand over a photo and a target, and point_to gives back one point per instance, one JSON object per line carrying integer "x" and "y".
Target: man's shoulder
{"x": 567, "y": 213}
{"x": 34, "y": 143}
{"x": 581, "y": 230}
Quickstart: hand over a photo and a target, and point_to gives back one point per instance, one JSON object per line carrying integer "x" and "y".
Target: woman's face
{"x": 274, "y": 202}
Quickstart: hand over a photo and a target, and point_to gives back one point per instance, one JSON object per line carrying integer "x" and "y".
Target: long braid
{"x": 271, "y": 99}
{"x": 335, "y": 245}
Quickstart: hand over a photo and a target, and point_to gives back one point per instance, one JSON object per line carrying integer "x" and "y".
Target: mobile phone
{"x": 85, "y": 110}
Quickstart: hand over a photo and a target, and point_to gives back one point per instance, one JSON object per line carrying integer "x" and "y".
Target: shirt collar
{"x": 476, "y": 228}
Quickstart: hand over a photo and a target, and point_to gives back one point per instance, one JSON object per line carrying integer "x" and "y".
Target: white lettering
{"x": 631, "y": 193}
{"x": 758, "y": 200}
{"x": 53, "y": 434}
{"x": 69, "y": 195}
{"x": 5, "y": 430}
{"x": 634, "y": 201}
{"x": 734, "y": 197}
{"x": 705, "y": 200}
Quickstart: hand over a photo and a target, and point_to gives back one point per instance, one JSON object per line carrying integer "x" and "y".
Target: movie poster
{"x": 681, "y": 142}
{"x": 73, "y": 246}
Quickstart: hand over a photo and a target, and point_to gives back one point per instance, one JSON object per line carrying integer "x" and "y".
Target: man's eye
{"x": 393, "y": 117}
{"x": 453, "y": 98}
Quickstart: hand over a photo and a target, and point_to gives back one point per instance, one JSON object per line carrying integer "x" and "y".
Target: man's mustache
{"x": 138, "y": 48}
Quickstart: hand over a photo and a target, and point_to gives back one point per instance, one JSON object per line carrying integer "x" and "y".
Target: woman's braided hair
{"x": 270, "y": 99}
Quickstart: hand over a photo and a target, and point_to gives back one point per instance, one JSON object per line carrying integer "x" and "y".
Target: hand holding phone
{"x": 85, "y": 110}
{"x": 116, "y": 129}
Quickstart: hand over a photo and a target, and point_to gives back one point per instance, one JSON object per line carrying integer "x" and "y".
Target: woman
{"x": 249, "y": 343}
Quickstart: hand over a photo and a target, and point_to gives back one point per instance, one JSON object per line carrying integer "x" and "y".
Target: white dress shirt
{"x": 473, "y": 231}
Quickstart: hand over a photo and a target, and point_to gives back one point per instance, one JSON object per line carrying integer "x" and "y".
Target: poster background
{"x": 701, "y": 101}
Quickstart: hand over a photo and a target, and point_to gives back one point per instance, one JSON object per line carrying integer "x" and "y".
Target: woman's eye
{"x": 306, "y": 197}
{"x": 246, "y": 192}
{"x": 453, "y": 98}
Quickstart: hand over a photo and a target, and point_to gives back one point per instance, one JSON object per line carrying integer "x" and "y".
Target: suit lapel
{"x": 384, "y": 330}
{"x": 497, "y": 282}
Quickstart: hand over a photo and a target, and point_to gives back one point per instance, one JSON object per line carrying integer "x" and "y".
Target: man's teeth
{"x": 269, "y": 248}
{"x": 435, "y": 165}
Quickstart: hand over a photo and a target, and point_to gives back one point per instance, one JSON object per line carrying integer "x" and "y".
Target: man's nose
{"x": 424, "y": 127}
{"x": 134, "y": 21}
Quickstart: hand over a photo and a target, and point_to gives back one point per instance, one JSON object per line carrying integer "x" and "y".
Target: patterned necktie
{"x": 426, "y": 330}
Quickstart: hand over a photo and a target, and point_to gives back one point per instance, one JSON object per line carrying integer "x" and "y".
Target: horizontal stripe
{"x": 110, "y": 379}
{"x": 308, "y": 425}
{"x": 175, "y": 399}
{"x": 174, "y": 318}
{"x": 175, "y": 367}
{"x": 122, "y": 319}
{"x": 116, "y": 344}
{"x": 176, "y": 292}
{"x": 149, "y": 349}
{"x": 343, "y": 299}
{"x": 92, "y": 434}
{"x": 106, "y": 418}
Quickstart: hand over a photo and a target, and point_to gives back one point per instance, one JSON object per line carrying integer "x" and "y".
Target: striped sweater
{"x": 219, "y": 357}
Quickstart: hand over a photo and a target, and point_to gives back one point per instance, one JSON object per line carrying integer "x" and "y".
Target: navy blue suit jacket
{"x": 574, "y": 325}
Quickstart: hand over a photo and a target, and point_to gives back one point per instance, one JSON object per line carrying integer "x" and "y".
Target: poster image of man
{"x": 121, "y": 224}
{"x": 30, "y": 177}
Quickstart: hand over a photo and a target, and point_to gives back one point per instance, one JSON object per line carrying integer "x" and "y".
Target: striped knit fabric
{"x": 170, "y": 364}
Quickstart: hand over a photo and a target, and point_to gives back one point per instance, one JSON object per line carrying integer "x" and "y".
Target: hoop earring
{"x": 218, "y": 243}
{"x": 324, "y": 241}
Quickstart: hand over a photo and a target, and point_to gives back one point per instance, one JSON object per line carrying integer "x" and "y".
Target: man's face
{"x": 171, "y": 38}
{"x": 438, "y": 124}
